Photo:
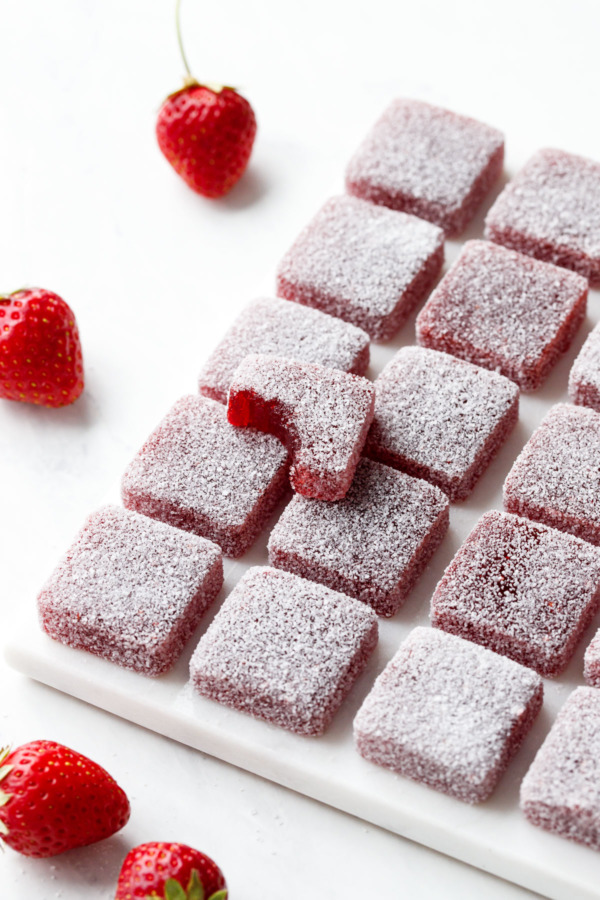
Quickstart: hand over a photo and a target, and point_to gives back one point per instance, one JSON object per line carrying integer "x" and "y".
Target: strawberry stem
{"x": 189, "y": 77}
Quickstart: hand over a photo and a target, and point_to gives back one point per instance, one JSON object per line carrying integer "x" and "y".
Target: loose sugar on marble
{"x": 556, "y": 477}
{"x": 323, "y": 414}
{"x": 448, "y": 713}
{"x": 372, "y": 545}
{"x": 428, "y": 161}
{"x": 440, "y": 418}
{"x": 131, "y": 590}
{"x": 522, "y": 589}
{"x": 285, "y": 650}
{"x": 273, "y": 326}
{"x": 368, "y": 265}
{"x": 199, "y": 473}
{"x": 504, "y": 311}
{"x": 551, "y": 210}
{"x": 561, "y": 790}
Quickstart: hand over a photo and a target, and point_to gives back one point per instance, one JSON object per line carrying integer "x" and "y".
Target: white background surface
{"x": 155, "y": 274}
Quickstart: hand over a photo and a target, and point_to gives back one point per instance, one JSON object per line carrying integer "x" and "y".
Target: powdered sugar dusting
{"x": 197, "y": 472}
{"x": 440, "y": 418}
{"x": 284, "y": 329}
{"x": 584, "y": 379}
{"x": 521, "y": 589}
{"x": 428, "y": 161}
{"x": 504, "y": 311}
{"x": 131, "y": 590}
{"x": 325, "y": 415}
{"x": 373, "y": 544}
{"x": 556, "y": 477}
{"x": 591, "y": 662}
{"x": 284, "y": 649}
{"x": 366, "y": 264}
{"x": 561, "y": 791}
{"x": 551, "y": 210}
{"x": 448, "y": 713}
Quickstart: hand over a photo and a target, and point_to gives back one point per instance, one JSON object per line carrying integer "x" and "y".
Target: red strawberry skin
{"x": 147, "y": 867}
{"x": 207, "y": 137}
{"x": 57, "y": 800}
{"x": 40, "y": 351}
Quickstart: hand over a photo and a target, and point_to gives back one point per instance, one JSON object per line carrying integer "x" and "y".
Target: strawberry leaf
{"x": 173, "y": 890}
{"x": 195, "y": 888}
{"x": 218, "y": 895}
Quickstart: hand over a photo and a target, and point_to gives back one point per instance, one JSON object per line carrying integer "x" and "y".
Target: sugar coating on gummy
{"x": 284, "y": 329}
{"x": 448, "y": 713}
{"x": 440, "y": 418}
{"x": 556, "y": 477}
{"x": 285, "y": 650}
{"x": 365, "y": 264}
{"x": 561, "y": 790}
{"x": 199, "y": 473}
{"x": 522, "y": 589}
{"x": 323, "y": 414}
{"x": 591, "y": 661}
{"x": 427, "y": 161}
{"x": 551, "y": 210}
{"x": 584, "y": 378}
{"x": 504, "y": 311}
{"x": 131, "y": 590}
{"x": 372, "y": 545}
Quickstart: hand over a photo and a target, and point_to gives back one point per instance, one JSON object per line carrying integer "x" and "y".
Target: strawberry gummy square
{"x": 323, "y": 414}
{"x": 591, "y": 662}
{"x": 504, "y": 311}
{"x": 372, "y": 545}
{"x": 285, "y": 650}
{"x": 522, "y": 589}
{"x": 448, "y": 713}
{"x": 427, "y": 161}
{"x": 289, "y": 330}
{"x": 440, "y": 418}
{"x": 199, "y": 473}
{"x": 365, "y": 264}
{"x": 556, "y": 477}
{"x": 584, "y": 378}
{"x": 561, "y": 790}
{"x": 551, "y": 210}
{"x": 131, "y": 590}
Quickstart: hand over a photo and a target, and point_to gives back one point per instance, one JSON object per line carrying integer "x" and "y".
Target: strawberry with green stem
{"x": 206, "y": 132}
{"x": 53, "y": 799}
{"x": 169, "y": 871}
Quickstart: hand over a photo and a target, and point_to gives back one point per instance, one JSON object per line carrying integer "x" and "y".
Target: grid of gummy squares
{"x": 200, "y": 484}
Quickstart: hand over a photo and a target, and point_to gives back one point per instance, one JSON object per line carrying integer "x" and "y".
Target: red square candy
{"x": 289, "y": 330}
{"x": 440, "y": 418}
{"x": 521, "y": 589}
{"x": 561, "y": 791}
{"x": 551, "y": 210}
{"x": 504, "y": 311}
{"x": 323, "y": 414}
{"x": 365, "y": 264}
{"x": 448, "y": 713}
{"x": 131, "y": 590}
{"x": 199, "y": 473}
{"x": 556, "y": 477}
{"x": 372, "y": 545}
{"x": 285, "y": 650}
{"x": 584, "y": 379}
{"x": 591, "y": 662}
{"x": 427, "y": 161}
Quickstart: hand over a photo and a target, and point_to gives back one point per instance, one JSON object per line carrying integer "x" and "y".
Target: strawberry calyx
{"x": 188, "y": 79}
{"x": 4, "y": 797}
{"x": 194, "y": 891}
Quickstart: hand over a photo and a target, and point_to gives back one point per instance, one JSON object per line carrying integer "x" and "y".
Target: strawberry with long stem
{"x": 206, "y": 131}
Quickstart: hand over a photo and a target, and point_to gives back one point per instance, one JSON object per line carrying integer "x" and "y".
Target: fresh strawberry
{"x": 171, "y": 871}
{"x": 53, "y": 799}
{"x": 40, "y": 353}
{"x": 207, "y": 136}
{"x": 206, "y": 132}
